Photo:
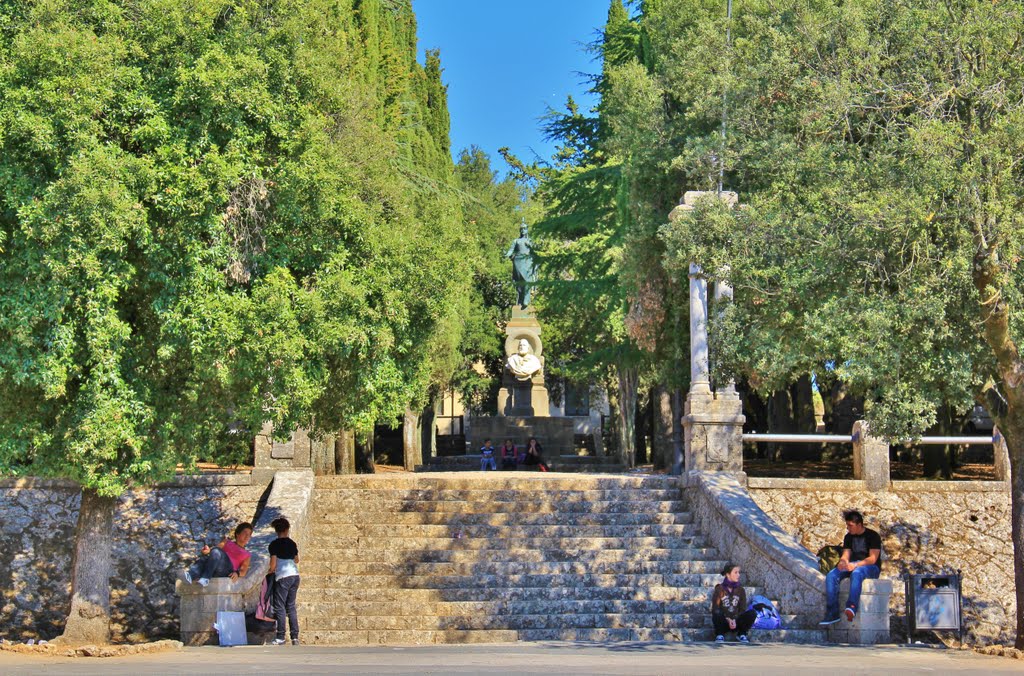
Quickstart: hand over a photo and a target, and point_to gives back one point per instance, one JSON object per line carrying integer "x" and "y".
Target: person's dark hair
{"x": 534, "y": 440}
{"x": 280, "y": 525}
{"x": 728, "y": 568}
{"x": 244, "y": 526}
{"x": 487, "y": 439}
{"x": 853, "y": 516}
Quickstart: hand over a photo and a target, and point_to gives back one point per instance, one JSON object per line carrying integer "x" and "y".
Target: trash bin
{"x": 933, "y": 602}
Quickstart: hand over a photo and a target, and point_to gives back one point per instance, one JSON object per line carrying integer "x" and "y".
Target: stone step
{"x": 660, "y": 593}
{"x": 509, "y": 532}
{"x": 545, "y": 619}
{"x": 380, "y": 552}
{"x": 505, "y": 568}
{"x": 318, "y": 541}
{"x": 627, "y": 580}
{"x": 343, "y": 509}
{"x": 316, "y": 607}
{"x": 413, "y": 637}
{"x": 541, "y": 493}
{"x": 513, "y": 518}
{"x": 540, "y": 481}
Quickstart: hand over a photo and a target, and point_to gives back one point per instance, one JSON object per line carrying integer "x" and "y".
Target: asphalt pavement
{"x": 549, "y": 659}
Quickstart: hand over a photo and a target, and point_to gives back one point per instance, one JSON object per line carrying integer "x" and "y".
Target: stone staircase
{"x": 496, "y": 557}
{"x": 558, "y": 463}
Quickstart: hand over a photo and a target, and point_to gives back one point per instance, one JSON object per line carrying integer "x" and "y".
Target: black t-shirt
{"x": 860, "y": 546}
{"x": 283, "y": 548}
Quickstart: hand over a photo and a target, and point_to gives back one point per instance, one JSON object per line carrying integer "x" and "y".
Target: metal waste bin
{"x": 934, "y": 602}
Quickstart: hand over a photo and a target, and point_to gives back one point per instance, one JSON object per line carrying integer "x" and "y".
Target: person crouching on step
{"x": 729, "y": 606}
{"x": 284, "y": 557}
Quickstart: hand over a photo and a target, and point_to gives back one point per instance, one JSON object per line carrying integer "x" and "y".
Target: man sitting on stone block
{"x": 861, "y": 559}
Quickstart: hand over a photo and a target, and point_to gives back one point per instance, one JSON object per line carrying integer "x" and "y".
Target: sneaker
{"x": 827, "y": 621}
{"x": 720, "y": 639}
{"x": 295, "y": 641}
{"x": 744, "y": 639}
{"x": 850, "y": 614}
{"x": 203, "y": 581}
{"x": 188, "y": 577}
{"x": 278, "y": 641}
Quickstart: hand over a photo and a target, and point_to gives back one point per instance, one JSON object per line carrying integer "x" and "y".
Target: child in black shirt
{"x": 284, "y": 555}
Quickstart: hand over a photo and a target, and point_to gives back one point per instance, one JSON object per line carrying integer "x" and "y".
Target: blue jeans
{"x": 487, "y": 461}
{"x": 857, "y": 577}
{"x": 215, "y": 564}
{"x": 284, "y": 605}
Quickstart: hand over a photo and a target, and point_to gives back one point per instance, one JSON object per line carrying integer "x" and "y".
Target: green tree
{"x": 877, "y": 148}
{"x": 206, "y": 226}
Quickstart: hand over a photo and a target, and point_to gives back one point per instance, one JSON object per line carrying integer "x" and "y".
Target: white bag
{"x": 230, "y": 626}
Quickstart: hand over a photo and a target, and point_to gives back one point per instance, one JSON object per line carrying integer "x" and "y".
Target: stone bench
{"x": 871, "y": 624}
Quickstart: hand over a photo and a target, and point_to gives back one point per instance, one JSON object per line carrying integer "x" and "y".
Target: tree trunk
{"x": 661, "y": 440}
{"x": 677, "y": 432}
{"x": 92, "y": 564}
{"x": 412, "y": 454}
{"x": 628, "y": 382}
{"x": 365, "y": 460}
{"x": 428, "y": 436}
{"x": 344, "y": 452}
{"x": 995, "y": 315}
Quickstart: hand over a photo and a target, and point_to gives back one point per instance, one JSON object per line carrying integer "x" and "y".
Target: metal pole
{"x": 725, "y": 97}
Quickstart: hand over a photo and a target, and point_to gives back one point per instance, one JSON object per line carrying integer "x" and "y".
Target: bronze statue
{"x": 524, "y": 274}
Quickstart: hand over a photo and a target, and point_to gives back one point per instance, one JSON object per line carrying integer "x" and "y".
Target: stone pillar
{"x": 1001, "y": 455}
{"x": 272, "y": 455}
{"x": 700, "y": 379}
{"x": 871, "y": 624}
{"x": 870, "y": 458}
{"x": 712, "y": 421}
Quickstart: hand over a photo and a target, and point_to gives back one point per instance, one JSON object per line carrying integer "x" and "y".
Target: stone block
{"x": 870, "y": 458}
{"x": 871, "y": 624}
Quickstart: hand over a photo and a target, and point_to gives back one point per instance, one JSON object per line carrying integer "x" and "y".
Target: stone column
{"x": 712, "y": 421}
{"x": 1001, "y": 455}
{"x": 870, "y": 458}
{"x": 700, "y": 379}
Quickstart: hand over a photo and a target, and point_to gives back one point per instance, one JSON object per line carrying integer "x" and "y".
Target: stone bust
{"x": 523, "y": 364}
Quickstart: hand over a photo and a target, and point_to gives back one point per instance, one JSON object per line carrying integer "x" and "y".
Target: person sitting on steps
{"x": 729, "y": 606}
{"x": 228, "y": 559}
{"x": 534, "y": 454}
{"x": 487, "y": 456}
{"x": 508, "y": 455}
{"x": 861, "y": 560}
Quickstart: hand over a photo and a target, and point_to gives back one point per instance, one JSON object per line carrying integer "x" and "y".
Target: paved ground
{"x": 530, "y": 658}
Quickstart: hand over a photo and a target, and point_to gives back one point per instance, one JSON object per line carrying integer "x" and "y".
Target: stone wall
{"x": 925, "y": 527}
{"x": 157, "y": 533}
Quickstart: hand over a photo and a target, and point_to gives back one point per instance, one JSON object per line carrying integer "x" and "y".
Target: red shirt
{"x": 237, "y": 554}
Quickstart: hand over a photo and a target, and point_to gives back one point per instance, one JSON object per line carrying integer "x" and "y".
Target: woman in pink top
{"x": 228, "y": 559}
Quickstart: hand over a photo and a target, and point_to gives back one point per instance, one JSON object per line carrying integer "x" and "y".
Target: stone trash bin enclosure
{"x": 871, "y": 624}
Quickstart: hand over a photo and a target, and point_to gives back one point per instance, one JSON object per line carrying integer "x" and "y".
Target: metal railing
{"x": 849, "y": 439}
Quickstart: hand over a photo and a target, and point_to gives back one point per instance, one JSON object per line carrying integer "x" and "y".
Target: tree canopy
{"x": 877, "y": 149}
{"x": 213, "y": 215}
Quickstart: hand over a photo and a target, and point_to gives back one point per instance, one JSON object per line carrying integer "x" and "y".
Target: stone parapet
{"x": 290, "y": 497}
{"x": 744, "y": 534}
{"x": 871, "y": 624}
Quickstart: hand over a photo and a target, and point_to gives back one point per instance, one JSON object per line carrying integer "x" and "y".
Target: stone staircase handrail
{"x": 742, "y": 532}
{"x": 290, "y": 496}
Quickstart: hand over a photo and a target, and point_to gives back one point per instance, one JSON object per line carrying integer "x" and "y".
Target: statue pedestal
{"x": 523, "y": 397}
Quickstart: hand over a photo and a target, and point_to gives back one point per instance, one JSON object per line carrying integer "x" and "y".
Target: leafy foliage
{"x": 215, "y": 215}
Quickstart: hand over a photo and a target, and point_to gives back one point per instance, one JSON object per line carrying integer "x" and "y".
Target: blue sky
{"x": 505, "y": 62}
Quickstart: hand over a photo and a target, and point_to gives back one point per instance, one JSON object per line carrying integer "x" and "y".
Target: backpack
{"x": 767, "y": 616}
{"x": 265, "y": 603}
{"x": 828, "y": 557}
